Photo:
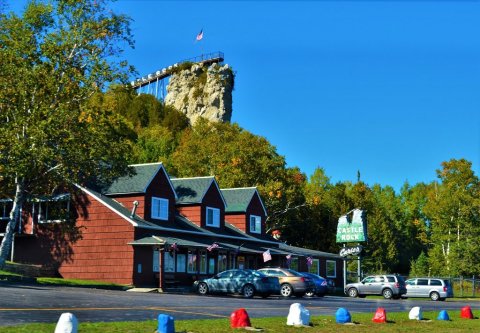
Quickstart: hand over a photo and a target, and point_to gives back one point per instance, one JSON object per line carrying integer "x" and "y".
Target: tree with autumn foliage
{"x": 53, "y": 59}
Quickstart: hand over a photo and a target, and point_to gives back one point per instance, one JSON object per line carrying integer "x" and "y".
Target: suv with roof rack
{"x": 388, "y": 285}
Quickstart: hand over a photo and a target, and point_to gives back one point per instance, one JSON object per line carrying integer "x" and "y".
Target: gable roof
{"x": 193, "y": 190}
{"x": 238, "y": 199}
{"x": 138, "y": 182}
{"x": 182, "y": 224}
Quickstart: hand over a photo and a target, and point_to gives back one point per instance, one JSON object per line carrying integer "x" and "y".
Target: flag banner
{"x": 289, "y": 259}
{"x": 309, "y": 261}
{"x": 200, "y": 36}
{"x": 211, "y": 247}
{"x": 173, "y": 247}
{"x": 267, "y": 256}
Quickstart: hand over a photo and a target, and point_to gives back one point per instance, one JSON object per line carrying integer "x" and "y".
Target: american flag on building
{"x": 211, "y": 247}
{"x": 267, "y": 256}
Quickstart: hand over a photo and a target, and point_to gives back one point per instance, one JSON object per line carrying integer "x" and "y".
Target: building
{"x": 152, "y": 230}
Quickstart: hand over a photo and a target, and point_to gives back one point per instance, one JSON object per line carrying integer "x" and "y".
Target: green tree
{"x": 452, "y": 209}
{"x": 53, "y": 59}
{"x": 238, "y": 158}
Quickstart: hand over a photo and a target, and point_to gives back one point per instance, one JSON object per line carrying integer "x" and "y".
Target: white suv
{"x": 435, "y": 288}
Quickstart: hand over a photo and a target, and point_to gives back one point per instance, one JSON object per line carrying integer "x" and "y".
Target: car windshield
{"x": 257, "y": 274}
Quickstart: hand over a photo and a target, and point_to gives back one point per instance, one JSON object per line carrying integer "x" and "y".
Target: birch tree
{"x": 453, "y": 209}
{"x": 53, "y": 58}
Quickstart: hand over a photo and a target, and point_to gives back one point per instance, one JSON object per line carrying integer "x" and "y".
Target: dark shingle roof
{"x": 191, "y": 190}
{"x": 137, "y": 183}
{"x": 238, "y": 199}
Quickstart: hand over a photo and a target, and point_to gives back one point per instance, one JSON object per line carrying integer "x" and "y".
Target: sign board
{"x": 351, "y": 251}
{"x": 354, "y": 229}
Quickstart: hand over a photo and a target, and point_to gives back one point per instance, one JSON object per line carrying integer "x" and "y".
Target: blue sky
{"x": 389, "y": 88}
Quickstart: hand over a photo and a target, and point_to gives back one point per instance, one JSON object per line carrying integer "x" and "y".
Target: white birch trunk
{"x": 14, "y": 218}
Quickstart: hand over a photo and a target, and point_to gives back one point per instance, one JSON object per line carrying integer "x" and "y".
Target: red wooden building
{"x": 151, "y": 230}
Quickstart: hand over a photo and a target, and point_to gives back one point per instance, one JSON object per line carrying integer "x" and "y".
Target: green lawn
{"x": 398, "y": 322}
{"x": 79, "y": 283}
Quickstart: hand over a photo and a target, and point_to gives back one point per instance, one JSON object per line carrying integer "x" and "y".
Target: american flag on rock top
{"x": 211, "y": 247}
{"x": 200, "y": 36}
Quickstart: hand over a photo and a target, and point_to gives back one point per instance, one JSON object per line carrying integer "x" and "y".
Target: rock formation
{"x": 202, "y": 91}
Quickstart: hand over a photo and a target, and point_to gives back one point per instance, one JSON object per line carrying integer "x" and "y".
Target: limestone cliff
{"x": 202, "y": 91}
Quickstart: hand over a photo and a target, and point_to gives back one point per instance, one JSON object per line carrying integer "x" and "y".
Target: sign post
{"x": 352, "y": 230}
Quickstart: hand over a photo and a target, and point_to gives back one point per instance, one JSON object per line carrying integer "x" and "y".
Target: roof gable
{"x": 139, "y": 181}
{"x": 238, "y": 199}
{"x": 193, "y": 190}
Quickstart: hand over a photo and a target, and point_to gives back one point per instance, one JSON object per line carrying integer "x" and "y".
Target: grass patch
{"x": 5, "y": 273}
{"x": 80, "y": 283}
{"x": 398, "y": 322}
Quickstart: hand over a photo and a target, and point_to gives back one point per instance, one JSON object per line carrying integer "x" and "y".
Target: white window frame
{"x": 169, "y": 261}
{"x": 192, "y": 262}
{"x": 203, "y": 262}
{"x": 156, "y": 261}
{"x": 257, "y": 225}
{"x": 215, "y": 217}
{"x": 43, "y": 215}
{"x": 294, "y": 263}
{"x": 159, "y": 209}
{"x": 329, "y": 262}
{"x": 211, "y": 265}
{"x": 222, "y": 262}
{"x": 5, "y": 208}
{"x": 315, "y": 264}
{"x": 181, "y": 263}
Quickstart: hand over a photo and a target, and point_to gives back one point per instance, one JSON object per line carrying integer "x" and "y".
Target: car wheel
{"x": 353, "y": 292}
{"x": 387, "y": 293}
{"x": 248, "y": 291}
{"x": 309, "y": 293}
{"x": 434, "y": 296}
{"x": 286, "y": 290}
{"x": 202, "y": 288}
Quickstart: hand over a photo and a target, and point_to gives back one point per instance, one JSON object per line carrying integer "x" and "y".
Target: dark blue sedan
{"x": 321, "y": 285}
{"x": 247, "y": 282}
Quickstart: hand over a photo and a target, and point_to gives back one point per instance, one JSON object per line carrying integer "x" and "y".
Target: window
{"x": 192, "y": 262}
{"x": 211, "y": 265}
{"x": 53, "y": 209}
{"x": 294, "y": 264}
{"x": 315, "y": 267}
{"x": 169, "y": 261}
{"x": 331, "y": 268}
{"x": 255, "y": 224}
{"x": 213, "y": 217}
{"x": 159, "y": 209}
{"x": 203, "y": 262}
{"x": 181, "y": 263}
{"x": 156, "y": 261}
{"x": 435, "y": 282}
{"x": 379, "y": 279}
{"x": 5, "y": 208}
{"x": 422, "y": 282}
{"x": 222, "y": 262}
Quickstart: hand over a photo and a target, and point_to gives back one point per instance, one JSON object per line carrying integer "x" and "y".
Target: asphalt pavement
{"x": 25, "y": 303}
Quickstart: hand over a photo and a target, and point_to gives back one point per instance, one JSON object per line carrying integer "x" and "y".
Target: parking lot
{"x": 20, "y": 304}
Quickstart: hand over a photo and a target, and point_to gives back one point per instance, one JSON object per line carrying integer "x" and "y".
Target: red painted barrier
{"x": 239, "y": 318}
{"x": 380, "y": 316}
{"x": 466, "y": 312}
